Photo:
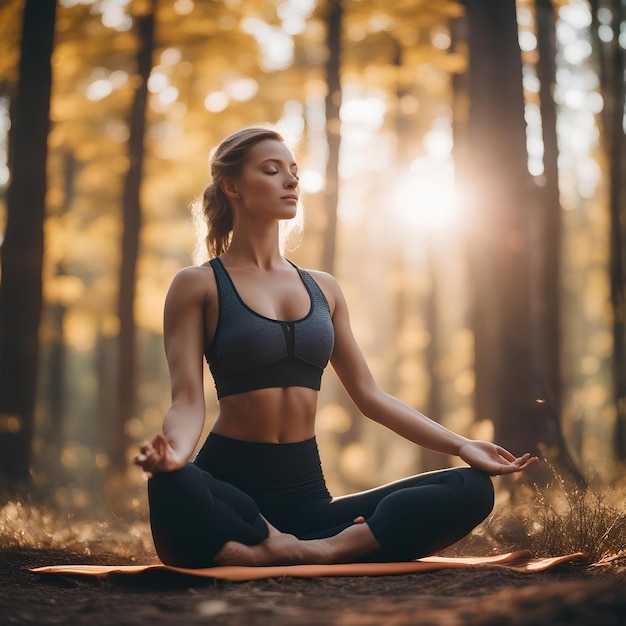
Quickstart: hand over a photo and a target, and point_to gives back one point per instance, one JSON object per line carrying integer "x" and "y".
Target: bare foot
{"x": 278, "y": 549}
{"x": 284, "y": 549}
{"x": 233, "y": 553}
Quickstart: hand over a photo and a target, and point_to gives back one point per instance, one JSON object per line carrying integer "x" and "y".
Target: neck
{"x": 257, "y": 247}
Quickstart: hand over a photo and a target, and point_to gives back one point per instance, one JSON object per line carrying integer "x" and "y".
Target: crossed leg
{"x": 404, "y": 520}
{"x": 285, "y": 549}
{"x": 198, "y": 521}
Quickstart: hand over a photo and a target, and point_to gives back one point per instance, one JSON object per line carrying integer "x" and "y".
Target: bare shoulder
{"x": 329, "y": 285}
{"x": 195, "y": 282}
{"x": 324, "y": 279}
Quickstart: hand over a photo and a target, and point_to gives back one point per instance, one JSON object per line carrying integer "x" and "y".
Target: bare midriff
{"x": 275, "y": 415}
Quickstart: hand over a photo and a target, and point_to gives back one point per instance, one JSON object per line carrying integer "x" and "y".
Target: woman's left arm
{"x": 355, "y": 375}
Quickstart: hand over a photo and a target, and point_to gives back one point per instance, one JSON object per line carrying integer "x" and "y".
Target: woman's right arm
{"x": 183, "y": 331}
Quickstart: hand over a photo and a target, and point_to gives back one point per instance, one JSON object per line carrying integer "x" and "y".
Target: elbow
{"x": 187, "y": 391}
{"x": 369, "y": 401}
{"x": 188, "y": 399}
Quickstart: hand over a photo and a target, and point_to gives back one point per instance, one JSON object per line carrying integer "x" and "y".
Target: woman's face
{"x": 268, "y": 184}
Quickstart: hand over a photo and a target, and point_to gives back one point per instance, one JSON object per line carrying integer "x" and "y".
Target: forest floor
{"x": 574, "y": 593}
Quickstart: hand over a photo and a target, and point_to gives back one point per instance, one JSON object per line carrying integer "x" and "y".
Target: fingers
{"x": 531, "y": 460}
{"x": 150, "y": 455}
{"x": 159, "y": 443}
{"x": 145, "y": 462}
{"x": 141, "y": 458}
{"x": 519, "y": 464}
{"x": 505, "y": 454}
{"x": 521, "y": 460}
{"x": 525, "y": 461}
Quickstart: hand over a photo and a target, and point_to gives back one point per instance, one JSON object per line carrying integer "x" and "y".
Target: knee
{"x": 479, "y": 489}
{"x": 176, "y": 482}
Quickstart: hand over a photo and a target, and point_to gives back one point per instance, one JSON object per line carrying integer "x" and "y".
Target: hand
{"x": 159, "y": 456}
{"x": 493, "y": 459}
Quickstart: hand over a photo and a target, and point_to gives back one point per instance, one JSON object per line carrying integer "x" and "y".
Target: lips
{"x": 291, "y": 196}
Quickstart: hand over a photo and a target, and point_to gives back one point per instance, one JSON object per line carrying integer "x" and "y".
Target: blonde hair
{"x": 213, "y": 214}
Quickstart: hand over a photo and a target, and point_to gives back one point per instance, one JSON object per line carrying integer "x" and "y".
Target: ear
{"x": 229, "y": 187}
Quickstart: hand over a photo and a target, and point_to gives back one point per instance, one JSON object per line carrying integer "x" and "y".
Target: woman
{"x": 255, "y": 493}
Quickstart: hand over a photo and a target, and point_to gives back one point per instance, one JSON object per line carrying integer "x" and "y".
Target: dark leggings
{"x": 193, "y": 513}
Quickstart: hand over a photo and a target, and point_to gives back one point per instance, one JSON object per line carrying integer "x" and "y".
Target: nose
{"x": 292, "y": 182}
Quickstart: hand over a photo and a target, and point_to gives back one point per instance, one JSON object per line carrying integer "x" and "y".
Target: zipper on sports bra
{"x": 288, "y": 330}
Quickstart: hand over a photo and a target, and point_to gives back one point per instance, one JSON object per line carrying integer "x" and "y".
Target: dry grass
{"x": 25, "y": 525}
{"x": 573, "y": 518}
{"x": 558, "y": 518}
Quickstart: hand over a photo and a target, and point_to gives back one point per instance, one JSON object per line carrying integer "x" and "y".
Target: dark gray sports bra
{"x": 250, "y": 351}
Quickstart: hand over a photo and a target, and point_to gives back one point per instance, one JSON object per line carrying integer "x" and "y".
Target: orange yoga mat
{"x": 520, "y": 561}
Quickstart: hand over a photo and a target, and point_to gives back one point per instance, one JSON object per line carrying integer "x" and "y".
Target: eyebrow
{"x": 280, "y": 162}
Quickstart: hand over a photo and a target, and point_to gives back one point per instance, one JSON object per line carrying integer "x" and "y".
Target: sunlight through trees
{"x": 462, "y": 169}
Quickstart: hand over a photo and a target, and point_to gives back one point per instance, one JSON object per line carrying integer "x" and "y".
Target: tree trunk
{"x": 611, "y": 71}
{"x": 500, "y": 201}
{"x": 22, "y": 251}
{"x": 547, "y": 268}
{"x": 546, "y": 239}
{"x": 127, "y": 351}
{"x": 333, "y": 131}
{"x": 55, "y": 390}
{"x": 617, "y": 160}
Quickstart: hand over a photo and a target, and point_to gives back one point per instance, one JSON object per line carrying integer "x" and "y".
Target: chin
{"x": 288, "y": 214}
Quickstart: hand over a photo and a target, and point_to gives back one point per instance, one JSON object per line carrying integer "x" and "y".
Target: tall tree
{"x": 618, "y": 223}
{"x": 55, "y": 389}
{"x": 333, "y": 130}
{"x": 22, "y": 250}
{"x": 546, "y": 240}
{"x": 611, "y": 71}
{"x": 501, "y": 201}
{"x": 499, "y": 240}
{"x": 131, "y": 207}
{"x": 547, "y": 267}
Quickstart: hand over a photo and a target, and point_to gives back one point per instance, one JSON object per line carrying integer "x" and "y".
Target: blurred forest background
{"x": 463, "y": 170}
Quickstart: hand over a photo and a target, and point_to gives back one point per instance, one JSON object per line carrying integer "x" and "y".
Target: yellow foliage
{"x": 395, "y": 52}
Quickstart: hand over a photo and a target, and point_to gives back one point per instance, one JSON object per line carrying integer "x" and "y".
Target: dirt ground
{"x": 572, "y": 594}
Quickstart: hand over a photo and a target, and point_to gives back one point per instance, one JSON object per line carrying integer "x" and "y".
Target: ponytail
{"x": 218, "y": 215}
